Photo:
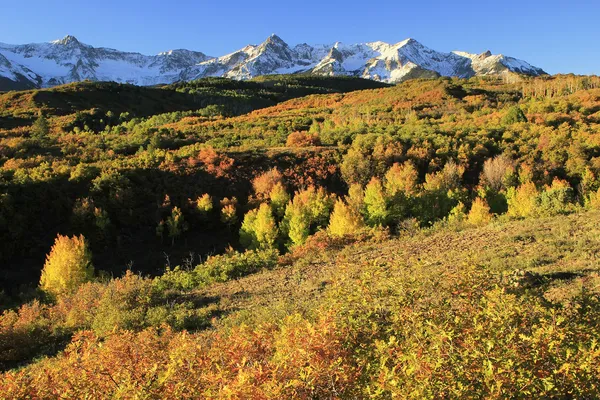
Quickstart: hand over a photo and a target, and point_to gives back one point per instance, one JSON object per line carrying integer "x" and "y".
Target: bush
{"x": 234, "y": 265}
{"x": 303, "y": 139}
{"x": 265, "y": 182}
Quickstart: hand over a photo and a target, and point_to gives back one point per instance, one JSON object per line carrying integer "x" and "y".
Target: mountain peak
{"x": 408, "y": 42}
{"x": 67, "y": 40}
{"x": 274, "y": 39}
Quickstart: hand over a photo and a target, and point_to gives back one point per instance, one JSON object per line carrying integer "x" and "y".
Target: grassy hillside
{"x": 301, "y": 237}
{"x": 509, "y": 308}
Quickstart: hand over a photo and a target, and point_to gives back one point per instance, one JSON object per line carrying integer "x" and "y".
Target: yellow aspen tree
{"x": 480, "y": 213}
{"x": 345, "y": 220}
{"x": 67, "y": 266}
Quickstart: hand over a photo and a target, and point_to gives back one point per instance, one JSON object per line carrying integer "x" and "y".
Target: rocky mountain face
{"x": 68, "y": 60}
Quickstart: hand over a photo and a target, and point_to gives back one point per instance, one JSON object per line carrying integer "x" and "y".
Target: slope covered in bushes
{"x": 507, "y": 308}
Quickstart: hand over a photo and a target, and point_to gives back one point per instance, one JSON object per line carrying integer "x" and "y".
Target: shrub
{"x": 68, "y": 265}
{"x": 23, "y": 333}
{"x": 234, "y": 265}
{"x": 124, "y": 304}
{"x": 265, "y": 182}
{"x": 303, "y": 139}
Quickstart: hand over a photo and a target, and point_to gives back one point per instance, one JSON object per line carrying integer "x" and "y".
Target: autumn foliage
{"x": 68, "y": 265}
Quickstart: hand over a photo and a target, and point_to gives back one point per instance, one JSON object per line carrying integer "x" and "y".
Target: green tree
{"x": 40, "y": 128}
{"x": 279, "y": 199}
{"x": 376, "y": 205}
{"x": 296, "y": 222}
{"x": 176, "y": 224}
{"x": 514, "y": 115}
{"x": 259, "y": 229}
{"x": 356, "y": 167}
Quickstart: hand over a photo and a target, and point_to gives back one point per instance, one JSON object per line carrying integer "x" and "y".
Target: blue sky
{"x": 559, "y": 36}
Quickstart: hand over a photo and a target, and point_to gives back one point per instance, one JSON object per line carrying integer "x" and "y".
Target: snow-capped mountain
{"x": 68, "y": 60}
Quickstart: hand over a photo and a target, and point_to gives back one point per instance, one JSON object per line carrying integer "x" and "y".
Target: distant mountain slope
{"x": 68, "y": 60}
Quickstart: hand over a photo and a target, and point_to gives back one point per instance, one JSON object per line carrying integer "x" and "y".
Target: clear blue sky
{"x": 557, "y": 35}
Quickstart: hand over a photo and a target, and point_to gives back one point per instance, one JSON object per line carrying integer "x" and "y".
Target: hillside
{"x": 132, "y": 168}
{"x": 511, "y": 307}
{"x": 297, "y": 236}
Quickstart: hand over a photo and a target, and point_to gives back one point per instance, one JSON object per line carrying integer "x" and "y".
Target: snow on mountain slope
{"x": 68, "y": 60}
{"x": 376, "y": 60}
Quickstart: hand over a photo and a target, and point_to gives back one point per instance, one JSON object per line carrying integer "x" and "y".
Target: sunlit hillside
{"x": 301, "y": 237}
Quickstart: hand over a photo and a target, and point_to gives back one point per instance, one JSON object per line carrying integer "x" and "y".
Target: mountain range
{"x": 68, "y": 60}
